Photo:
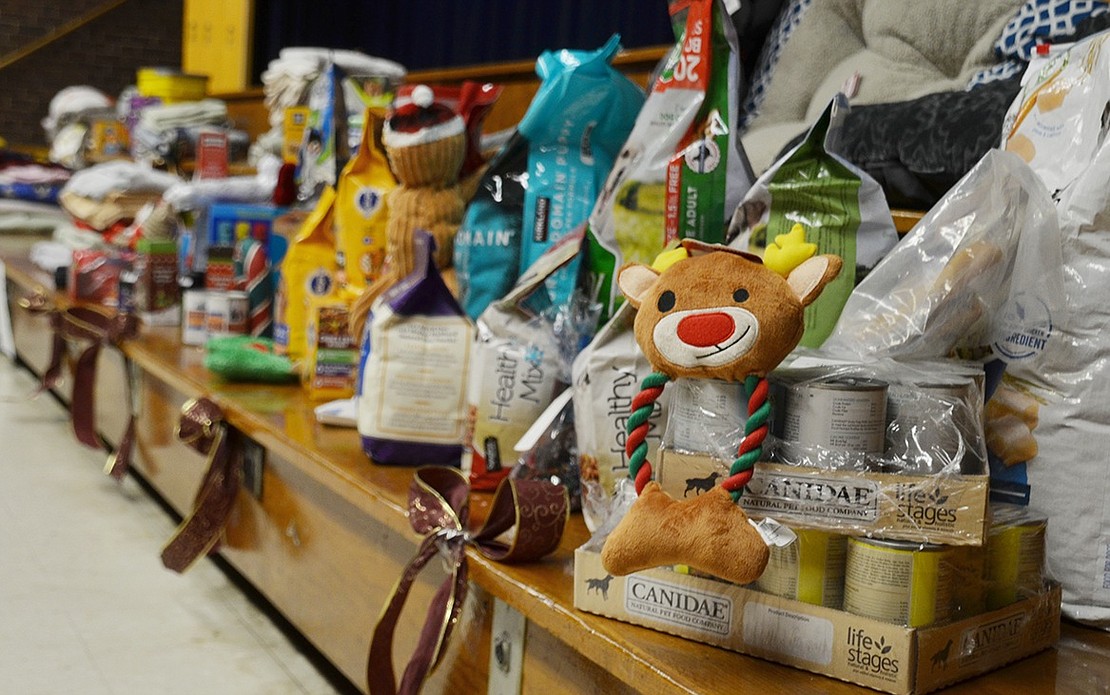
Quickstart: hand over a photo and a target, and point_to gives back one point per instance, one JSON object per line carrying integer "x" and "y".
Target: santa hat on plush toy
{"x": 425, "y": 138}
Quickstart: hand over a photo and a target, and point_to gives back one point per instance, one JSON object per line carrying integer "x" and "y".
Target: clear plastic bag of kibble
{"x": 553, "y": 454}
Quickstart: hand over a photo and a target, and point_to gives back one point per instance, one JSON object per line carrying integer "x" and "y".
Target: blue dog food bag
{"x": 487, "y": 245}
{"x": 575, "y": 126}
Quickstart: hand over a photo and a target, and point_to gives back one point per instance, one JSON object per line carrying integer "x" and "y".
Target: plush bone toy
{"x": 719, "y": 314}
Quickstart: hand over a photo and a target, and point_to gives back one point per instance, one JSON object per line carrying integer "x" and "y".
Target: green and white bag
{"x": 840, "y": 208}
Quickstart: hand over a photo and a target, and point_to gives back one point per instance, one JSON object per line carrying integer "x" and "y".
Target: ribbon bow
{"x": 96, "y": 326}
{"x": 439, "y": 510}
{"x": 202, "y": 429}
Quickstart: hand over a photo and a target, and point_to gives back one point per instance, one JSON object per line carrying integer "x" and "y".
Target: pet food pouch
{"x": 360, "y": 210}
{"x": 575, "y": 127}
{"x": 606, "y": 377}
{"x": 308, "y": 270}
{"x": 331, "y": 364}
{"x": 487, "y": 245}
{"x": 413, "y": 371}
{"x": 515, "y": 374}
{"x": 325, "y": 148}
{"x": 813, "y": 196}
{"x": 682, "y": 171}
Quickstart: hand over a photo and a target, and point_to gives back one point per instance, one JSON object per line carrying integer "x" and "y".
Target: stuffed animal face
{"x": 721, "y": 314}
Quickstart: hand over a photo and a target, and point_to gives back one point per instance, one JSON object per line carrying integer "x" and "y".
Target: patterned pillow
{"x": 1044, "y": 19}
{"x": 1036, "y": 20}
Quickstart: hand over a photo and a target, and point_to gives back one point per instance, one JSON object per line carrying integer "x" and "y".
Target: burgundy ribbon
{"x": 201, "y": 427}
{"x": 439, "y": 510}
{"x": 95, "y": 326}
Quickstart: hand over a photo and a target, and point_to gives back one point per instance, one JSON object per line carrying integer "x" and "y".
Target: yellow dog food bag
{"x": 309, "y": 269}
{"x": 360, "y": 209}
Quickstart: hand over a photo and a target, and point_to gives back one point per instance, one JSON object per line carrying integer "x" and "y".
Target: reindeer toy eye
{"x": 708, "y": 337}
{"x": 666, "y": 301}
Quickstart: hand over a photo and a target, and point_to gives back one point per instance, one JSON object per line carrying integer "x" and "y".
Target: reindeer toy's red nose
{"x": 706, "y": 329}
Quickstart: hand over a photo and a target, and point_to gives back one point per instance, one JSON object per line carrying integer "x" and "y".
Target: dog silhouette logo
{"x": 600, "y": 585}
{"x": 701, "y": 484}
{"x": 941, "y": 657}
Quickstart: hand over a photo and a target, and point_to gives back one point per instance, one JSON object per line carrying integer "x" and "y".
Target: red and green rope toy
{"x": 751, "y": 446}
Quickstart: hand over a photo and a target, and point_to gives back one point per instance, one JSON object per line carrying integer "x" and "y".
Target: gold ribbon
{"x": 201, "y": 427}
{"x": 439, "y": 510}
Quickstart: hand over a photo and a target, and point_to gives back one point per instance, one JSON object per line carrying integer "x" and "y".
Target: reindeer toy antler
{"x": 718, "y": 314}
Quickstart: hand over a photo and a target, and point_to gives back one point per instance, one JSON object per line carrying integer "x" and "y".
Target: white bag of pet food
{"x": 1055, "y": 122}
{"x": 514, "y": 375}
{"x": 607, "y": 376}
{"x": 413, "y": 369}
{"x": 1048, "y": 423}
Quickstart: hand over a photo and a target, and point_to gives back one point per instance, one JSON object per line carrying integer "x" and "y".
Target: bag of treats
{"x": 943, "y": 288}
{"x": 331, "y": 363}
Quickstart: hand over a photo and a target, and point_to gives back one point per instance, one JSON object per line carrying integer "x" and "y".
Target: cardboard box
{"x": 883, "y": 656}
{"x": 949, "y": 510}
{"x": 228, "y": 223}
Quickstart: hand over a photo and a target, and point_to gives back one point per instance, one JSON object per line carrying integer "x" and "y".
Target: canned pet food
{"x": 226, "y": 313}
{"x": 843, "y": 414}
{"x": 968, "y": 579}
{"x": 1015, "y": 558}
{"x": 194, "y": 323}
{"x": 898, "y": 582}
{"x": 811, "y": 569}
{"x": 930, "y": 426}
{"x": 705, "y": 413}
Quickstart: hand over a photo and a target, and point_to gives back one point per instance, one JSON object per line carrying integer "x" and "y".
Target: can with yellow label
{"x": 969, "y": 580}
{"x": 1015, "y": 558}
{"x": 898, "y": 582}
{"x": 811, "y": 569}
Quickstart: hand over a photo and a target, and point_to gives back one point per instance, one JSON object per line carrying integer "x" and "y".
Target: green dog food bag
{"x": 814, "y": 196}
{"x": 682, "y": 170}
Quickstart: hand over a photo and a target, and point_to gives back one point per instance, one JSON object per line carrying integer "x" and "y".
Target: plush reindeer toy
{"x": 716, "y": 313}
